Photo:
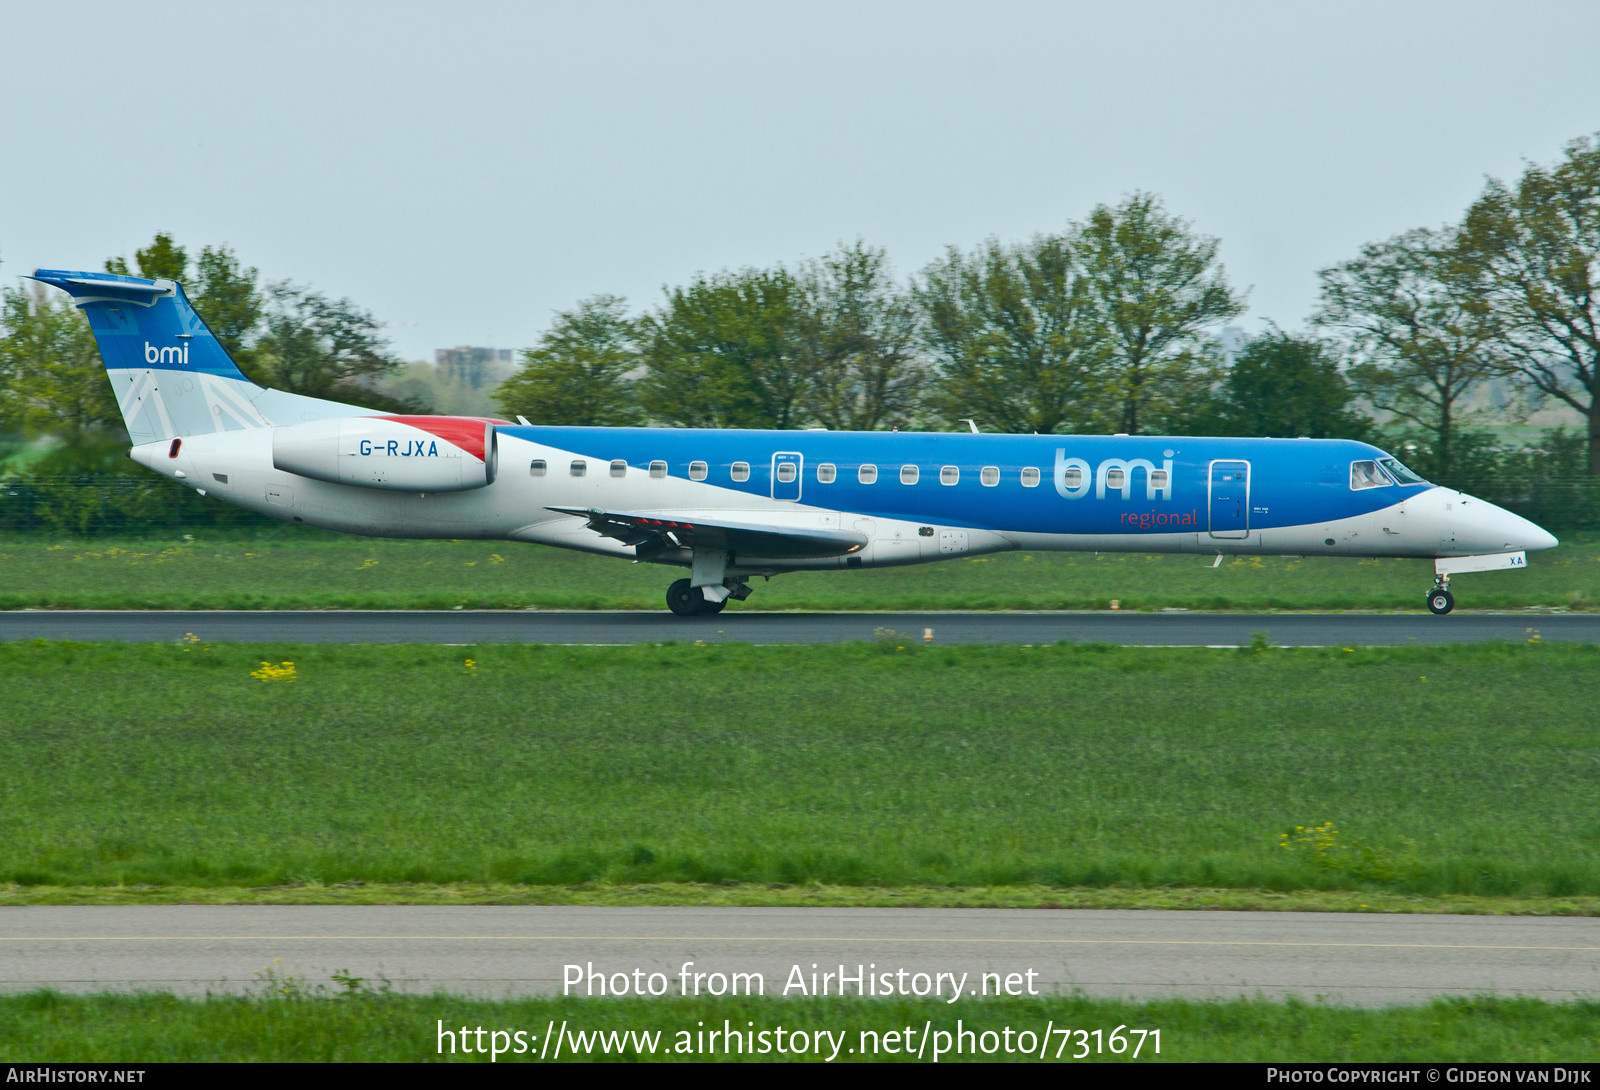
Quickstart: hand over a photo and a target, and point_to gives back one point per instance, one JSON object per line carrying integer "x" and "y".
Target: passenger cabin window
{"x": 867, "y": 474}
{"x": 741, "y": 471}
{"x": 989, "y": 476}
{"x": 536, "y": 467}
{"x": 950, "y": 475}
{"x": 658, "y": 469}
{"x": 1030, "y": 477}
{"x": 697, "y": 471}
{"x": 826, "y": 472}
{"x": 619, "y": 468}
{"x": 1158, "y": 479}
{"x": 1115, "y": 478}
{"x": 579, "y": 467}
{"x": 1367, "y": 475}
{"x": 909, "y": 474}
{"x": 787, "y": 472}
{"x": 1072, "y": 478}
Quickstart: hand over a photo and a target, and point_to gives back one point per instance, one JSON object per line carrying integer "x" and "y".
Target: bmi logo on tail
{"x": 152, "y": 354}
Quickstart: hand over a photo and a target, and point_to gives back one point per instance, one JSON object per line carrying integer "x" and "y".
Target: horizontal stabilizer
{"x": 654, "y": 533}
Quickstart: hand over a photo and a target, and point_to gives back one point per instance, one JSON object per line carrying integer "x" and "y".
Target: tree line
{"x": 1108, "y": 325}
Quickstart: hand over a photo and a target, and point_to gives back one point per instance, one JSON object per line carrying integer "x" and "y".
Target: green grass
{"x": 1447, "y": 771}
{"x": 309, "y": 569}
{"x": 48, "y": 1027}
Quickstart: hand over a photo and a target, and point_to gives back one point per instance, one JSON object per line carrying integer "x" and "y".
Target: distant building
{"x": 474, "y": 367}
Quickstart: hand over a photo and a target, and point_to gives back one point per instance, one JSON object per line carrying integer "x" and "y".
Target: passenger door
{"x": 786, "y": 471}
{"x": 1229, "y": 494}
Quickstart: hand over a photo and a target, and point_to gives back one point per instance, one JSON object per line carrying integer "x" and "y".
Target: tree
{"x": 163, "y": 259}
{"x": 1410, "y": 308}
{"x": 1535, "y": 253}
{"x": 578, "y": 374}
{"x": 54, "y": 378}
{"x": 1154, "y": 288}
{"x": 1011, "y": 330}
{"x": 225, "y": 296}
{"x": 1287, "y": 386}
{"x": 323, "y": 347}
{"x": 723, "y": 353}
{"x": 860, "y": 334}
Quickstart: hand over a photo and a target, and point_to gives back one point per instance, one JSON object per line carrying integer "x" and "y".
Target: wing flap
{"x": 651, "y": 533}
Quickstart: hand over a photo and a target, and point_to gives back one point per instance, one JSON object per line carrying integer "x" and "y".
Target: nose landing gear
{"x": 1440, "y": 600}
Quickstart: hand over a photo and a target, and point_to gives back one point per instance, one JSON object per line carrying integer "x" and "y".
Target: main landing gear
{"x": 690, "y": 601}
{"x": 1440, "y": 600}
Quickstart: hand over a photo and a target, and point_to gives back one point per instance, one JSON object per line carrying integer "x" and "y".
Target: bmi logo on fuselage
{"x": 1075, "y": 477}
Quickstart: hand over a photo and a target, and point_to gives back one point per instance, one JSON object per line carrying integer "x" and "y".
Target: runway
{"x": 1355, "y": 959}
{"x": 1171, "y": 629}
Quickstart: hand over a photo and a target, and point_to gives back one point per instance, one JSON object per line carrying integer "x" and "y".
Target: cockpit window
{"x": 1367, "y": 475}
{"x": 1400, "y": 472}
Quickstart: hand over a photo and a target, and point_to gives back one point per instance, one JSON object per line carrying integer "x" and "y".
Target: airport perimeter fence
{"x": 106, "y": 504}
{"x": 117, "y": 504}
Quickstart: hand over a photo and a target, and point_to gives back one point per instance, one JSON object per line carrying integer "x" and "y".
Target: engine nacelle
{"x": 400, "y": 453}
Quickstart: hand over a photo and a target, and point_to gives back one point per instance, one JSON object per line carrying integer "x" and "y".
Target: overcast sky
{"x": 466, "y": 169}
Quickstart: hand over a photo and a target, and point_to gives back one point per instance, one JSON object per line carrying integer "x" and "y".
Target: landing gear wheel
{"x": 684, "y": 600}
{"x": 1441, "y": 602}
{"x": 709, "y": 606}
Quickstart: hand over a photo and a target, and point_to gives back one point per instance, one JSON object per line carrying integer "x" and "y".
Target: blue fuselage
{"x": 1074, "y": 487}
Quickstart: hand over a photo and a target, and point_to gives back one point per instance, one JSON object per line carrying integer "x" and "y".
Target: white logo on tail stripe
{"x": 154, "y": 355}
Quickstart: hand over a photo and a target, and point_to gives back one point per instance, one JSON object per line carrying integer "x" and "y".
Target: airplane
{"x": 730, "y": 505}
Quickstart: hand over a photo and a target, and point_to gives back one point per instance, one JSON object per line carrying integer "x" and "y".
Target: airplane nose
{"x": 1520, "y": 533}
{"x": 1493, "y": 529}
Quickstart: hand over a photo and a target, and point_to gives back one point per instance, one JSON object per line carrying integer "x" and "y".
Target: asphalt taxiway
{"x": 1347, "y": 958}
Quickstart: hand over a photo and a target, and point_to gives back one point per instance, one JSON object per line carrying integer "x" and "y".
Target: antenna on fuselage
{"x": 971, "y": 423}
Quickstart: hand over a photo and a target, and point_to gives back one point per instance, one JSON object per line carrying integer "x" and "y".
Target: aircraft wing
{"x": 654, "y": 533}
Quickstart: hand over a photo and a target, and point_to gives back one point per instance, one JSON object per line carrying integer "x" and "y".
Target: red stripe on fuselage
{"x": 466, "y": 432}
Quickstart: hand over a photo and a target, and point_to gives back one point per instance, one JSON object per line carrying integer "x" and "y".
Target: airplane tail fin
{"x": 170, "y": 374}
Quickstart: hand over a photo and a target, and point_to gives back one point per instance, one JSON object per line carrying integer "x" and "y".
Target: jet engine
{"x": 399, "y": 453}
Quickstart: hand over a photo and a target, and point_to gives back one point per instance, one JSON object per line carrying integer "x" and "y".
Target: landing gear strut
{"x": 689, "y": 601}
{"x": 1440, "y": 600}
